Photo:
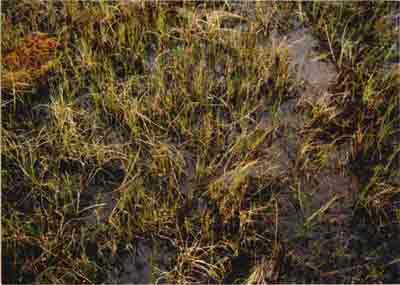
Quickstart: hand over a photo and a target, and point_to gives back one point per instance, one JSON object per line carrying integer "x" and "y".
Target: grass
{"x": 163, "y": 123}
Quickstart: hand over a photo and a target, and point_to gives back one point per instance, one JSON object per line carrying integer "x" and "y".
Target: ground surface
{"x": 226, "y": 142}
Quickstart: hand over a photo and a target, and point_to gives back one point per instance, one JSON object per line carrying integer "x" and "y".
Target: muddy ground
{"x": 321, "y": 234}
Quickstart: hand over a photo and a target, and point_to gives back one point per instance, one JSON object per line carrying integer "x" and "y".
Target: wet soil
{"x": 324, "y": 239}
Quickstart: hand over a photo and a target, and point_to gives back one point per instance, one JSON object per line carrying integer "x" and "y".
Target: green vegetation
{"x": 181, "y": 126}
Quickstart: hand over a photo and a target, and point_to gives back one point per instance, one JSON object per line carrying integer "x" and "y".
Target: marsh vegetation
{"x": 198, "y": 142}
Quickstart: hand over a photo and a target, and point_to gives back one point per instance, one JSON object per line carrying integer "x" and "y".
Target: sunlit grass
{"x": 167, "y": 123}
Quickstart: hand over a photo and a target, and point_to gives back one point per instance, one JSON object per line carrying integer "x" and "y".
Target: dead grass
{"x": 194, "y": 129}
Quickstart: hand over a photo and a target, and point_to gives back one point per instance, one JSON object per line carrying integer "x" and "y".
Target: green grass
{"x": 159, "y": 107}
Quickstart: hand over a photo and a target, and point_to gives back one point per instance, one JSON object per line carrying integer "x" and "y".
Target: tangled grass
{"x": 134, "y": 131}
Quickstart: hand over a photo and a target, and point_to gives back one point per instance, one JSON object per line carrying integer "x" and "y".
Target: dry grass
{"x": 185, "y": 127}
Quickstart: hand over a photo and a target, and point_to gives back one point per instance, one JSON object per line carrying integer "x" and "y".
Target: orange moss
{"x": 29, "y": 61}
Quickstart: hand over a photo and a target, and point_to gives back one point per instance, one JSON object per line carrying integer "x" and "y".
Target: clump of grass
{"x": 129, "y": 104}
